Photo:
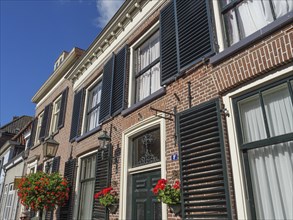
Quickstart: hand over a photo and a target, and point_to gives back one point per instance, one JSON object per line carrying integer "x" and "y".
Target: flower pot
{"x": 175, "y": 208}
{"x": 113, "y": 208}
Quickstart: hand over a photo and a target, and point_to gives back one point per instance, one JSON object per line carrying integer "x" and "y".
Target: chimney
{"x": 15, "y": 117}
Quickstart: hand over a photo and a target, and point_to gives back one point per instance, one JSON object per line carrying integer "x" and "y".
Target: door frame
{"x": 126, "y": 171}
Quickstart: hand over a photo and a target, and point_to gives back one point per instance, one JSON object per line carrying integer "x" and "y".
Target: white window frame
{"x": 126, "y": 169}
{"x": 242, "y": 203}
{"x": 32, "y": 166}
{"x": 55, "y": 115}
{"x": 8, "y": 208}
{"x": 38, "y": 129}
{"x": 132, "y": 48}
{"x": 90, "y": 87}
{"x": 78, "y": 185}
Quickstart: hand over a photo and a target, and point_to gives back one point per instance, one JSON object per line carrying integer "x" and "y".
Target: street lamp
{"x": 104, "y": 140}
{"x": 50, "y": 148}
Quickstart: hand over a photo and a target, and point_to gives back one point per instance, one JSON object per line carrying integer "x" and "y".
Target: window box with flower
{"x": 108, "y": 198}
{"x": 169, "y": 194}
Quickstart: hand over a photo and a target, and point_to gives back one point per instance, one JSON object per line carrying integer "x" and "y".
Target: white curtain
{"x": 254, "y": 15}
{"x": 232, "y": 27}
{"x": 148, "y": 82}
{"x": 271, "y": 167}
{"x": 282, "y": 7}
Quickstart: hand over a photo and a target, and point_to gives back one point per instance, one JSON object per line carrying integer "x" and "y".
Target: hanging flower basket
{"x": 108, "y": 198}
{"x": 113, "y": 208}
{"x": 175, "y": 208}
{"x": 169, "y": 194}
{"x": 39, "y": 191}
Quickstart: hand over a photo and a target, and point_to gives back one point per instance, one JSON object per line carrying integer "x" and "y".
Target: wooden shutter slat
{"x": 33, "y": 133}
{"x": 66, "y": 211}
{"x": 105, "y": 109}
{"x": 76, "y": 113}
{"x": 102, "y": 181}
{"x": 203, "y": 163}
{"x": 118, "y": 91}
{"x": 62, "y": 112}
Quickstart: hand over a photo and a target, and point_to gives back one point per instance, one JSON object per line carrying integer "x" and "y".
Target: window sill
{"x": 235, "y": 48}
{"x": 143, "y": 102}
{"x": 89, "y": 133}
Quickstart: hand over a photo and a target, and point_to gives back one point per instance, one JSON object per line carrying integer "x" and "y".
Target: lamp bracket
{"x": 169, "y": 117}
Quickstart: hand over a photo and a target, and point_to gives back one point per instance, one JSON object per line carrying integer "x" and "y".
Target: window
{"x": 39, "y": 125}
{"x": 147, "y": 67}
{"x": 146, "y": 148}
{"x": 265, "y": 128}
{"x": 87, "y": 186}
{"x": 242, "y": 18}
{"x": 93, "y": 107}
{"x": 55, "y": 115}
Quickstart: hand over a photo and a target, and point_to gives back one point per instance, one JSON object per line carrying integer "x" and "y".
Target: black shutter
{"x": 169, "y": 63}
{"x": 62, "y": 112}
{"x": 186, "y": 36}
{"x": 56, "y": 164}
{"x": 78, "y": 97}
{"x": 45, "y": 122}
{"x": 33, "y": 133}
{"x": 105, "y": 109}
{"x": 119, "y": 82}
{"x": 194, "y": 31}
{"x": 205, "y": 192}
{"x": 103, "y": 175}
{"x": 66, "y": 211}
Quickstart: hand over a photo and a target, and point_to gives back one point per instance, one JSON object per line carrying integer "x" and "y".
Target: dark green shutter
{"x": 45, "y": 126}
{"x": 33, "y": 133}
{"x": 169, "y": 63}
{"x": 106, "y": 96}
{"x": 62, "y": 112}
{"x": 186, "y": 36}
{"x": 76, "y": 113}
{"x": 194, "y": 31}
{"x": 66, "y": 211}
{"x": 205, "y": 192}
{"x": 103, "y": 175}
{"x": 118, "y": 91}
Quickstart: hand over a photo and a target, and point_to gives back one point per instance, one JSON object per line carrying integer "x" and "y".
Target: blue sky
{"x": 33, "y": 35}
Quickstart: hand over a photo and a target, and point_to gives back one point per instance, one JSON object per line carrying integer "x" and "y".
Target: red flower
{"x": 176, "y": 184}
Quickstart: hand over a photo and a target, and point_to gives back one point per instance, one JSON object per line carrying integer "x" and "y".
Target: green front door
{"x": 144, "y": 204}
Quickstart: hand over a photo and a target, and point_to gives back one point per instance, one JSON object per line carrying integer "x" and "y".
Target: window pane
{"x": 143, "y": 86}
{"x": 147, "y": 148}
{"x": 231, "y": 27}
{"x": 282, "y": 7}
{"x": 251, "y": 118}
{"x": 93, "y": 107}
{"x": 86, "y": 200}
{"x": 279, "y": 110}
{"x": 271, "y": 175}
{"x": 154, "y": 47}
{"x": 253, "y": 15}
{"x": 155, "y": 78}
